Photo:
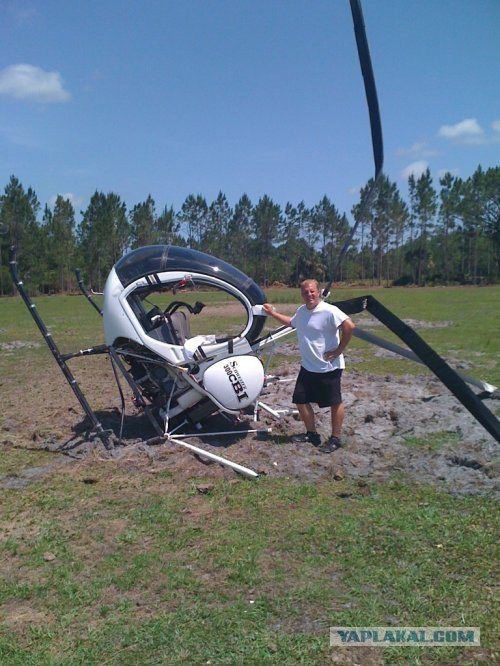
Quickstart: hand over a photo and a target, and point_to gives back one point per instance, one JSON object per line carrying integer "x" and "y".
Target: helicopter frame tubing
{"x": 162, "y": 435}
{"x": 61, "y": 359}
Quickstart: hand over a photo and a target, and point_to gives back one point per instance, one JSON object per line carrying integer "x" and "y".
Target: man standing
{"x": 323, "y": 332}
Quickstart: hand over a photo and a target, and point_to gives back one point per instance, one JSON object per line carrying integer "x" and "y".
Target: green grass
{"x": 252, "y": 573}
{"x": 13, "y": 460}
{"x": 433, "y": 441}
{"x": 149, "y": 571}
{"x": 471, "y": 336}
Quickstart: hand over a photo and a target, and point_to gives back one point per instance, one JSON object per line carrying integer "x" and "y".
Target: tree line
{"x": 449, "y": 234}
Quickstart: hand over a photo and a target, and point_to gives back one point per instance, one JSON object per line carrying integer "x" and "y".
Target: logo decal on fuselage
{"x": 236, "y": 380}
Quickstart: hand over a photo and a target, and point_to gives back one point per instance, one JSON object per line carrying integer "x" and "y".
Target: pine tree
{"x": 18, "y": 219}
{"x": 293, "y": 225}
{"x": 194, "y": 218}
{"x": 331, "y": 229}
{"x": 215, "y": 237}
{"x": 450, "y": 197}
{"x": 491, "y": 212}
{"x": 143, "y": 223}
{"x": 104, "y": 235}
{"x": 238, "y": 240}
{"x": 61, "y": 244}
{"x": 363, "y": 216}
{"x": 480, "y": 208}
{"x": 390, "y": 216}
{"x": 266, "y": 221}
{"x": 423, "y": 202}
{"x": 167, "y": 228}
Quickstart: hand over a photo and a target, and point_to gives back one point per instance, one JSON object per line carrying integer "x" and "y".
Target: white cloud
{"x": 496, "y": 125}
{"x": 467, "y": 131}
{"x": 418, "y": 149}
{"x": 73, "y": 199}
{"x": 32, "y": 83}
{"x": 414, "y": 169}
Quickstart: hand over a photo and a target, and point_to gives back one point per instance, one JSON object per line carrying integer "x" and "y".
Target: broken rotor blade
{"x": 407, "y": 353}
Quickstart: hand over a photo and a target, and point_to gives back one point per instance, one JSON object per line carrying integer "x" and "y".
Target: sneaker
{"x": 331, "y": 445}
{"x": 309, "y": 436}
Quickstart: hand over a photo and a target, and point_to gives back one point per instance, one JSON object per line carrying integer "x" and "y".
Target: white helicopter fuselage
{"x": 228, "y": 372}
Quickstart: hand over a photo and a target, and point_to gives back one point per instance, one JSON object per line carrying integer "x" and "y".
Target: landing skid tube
{"x": 61, "y": 359}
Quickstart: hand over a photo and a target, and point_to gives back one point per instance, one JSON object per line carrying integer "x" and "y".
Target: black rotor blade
{"x": 375, "y": 122}
{"x": 370, "y": 88}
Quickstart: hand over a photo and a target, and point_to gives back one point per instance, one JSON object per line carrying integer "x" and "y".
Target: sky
{"x": 179, "y": 97}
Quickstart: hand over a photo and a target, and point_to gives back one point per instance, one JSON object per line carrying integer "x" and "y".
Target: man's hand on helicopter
{"x": 271, "y": 310}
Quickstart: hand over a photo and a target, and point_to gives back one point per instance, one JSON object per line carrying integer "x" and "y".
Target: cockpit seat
{"x": 174, "y": 329}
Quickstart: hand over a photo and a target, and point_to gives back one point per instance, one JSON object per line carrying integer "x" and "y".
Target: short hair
{"x": 304, "y": 283}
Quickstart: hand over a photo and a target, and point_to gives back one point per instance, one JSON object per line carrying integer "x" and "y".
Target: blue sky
{"x": 172, "y": 97}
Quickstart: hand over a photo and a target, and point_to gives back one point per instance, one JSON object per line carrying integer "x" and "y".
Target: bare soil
{"x": 409, "y": 427}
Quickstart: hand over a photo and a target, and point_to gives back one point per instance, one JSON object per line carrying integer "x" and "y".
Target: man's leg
{"x": 337, "y": 413}
{"x": 306, "y": 413}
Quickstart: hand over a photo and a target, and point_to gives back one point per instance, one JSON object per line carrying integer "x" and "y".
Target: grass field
{"x": 471, "y": 314}
{"x": 120, "y": 562}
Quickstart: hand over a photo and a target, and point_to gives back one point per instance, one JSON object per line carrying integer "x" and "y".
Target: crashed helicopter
{"x": 179, "y": 379}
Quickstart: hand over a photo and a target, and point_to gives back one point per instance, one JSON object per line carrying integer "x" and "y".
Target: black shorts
{"x": 320, "y": 387}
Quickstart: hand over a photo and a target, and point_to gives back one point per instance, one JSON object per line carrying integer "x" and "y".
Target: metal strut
{"x": 85, "y": 292}
{"x": 139, "y": 400}
{"x": 60, "y": 359}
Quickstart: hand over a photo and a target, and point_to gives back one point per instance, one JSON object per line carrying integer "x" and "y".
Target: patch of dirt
{"x": 9, "y": 347}
{"x": 18, "y": 615}
{"x": 27, "y": 475}
{"x": 370, "y": 322}
{"x": 388, "y": 421}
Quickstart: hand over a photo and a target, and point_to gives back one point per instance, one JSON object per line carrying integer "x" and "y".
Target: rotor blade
{"x": 396, "y": 349}
{"x": 370, "y": 88}
{"x": 375, "y": 122}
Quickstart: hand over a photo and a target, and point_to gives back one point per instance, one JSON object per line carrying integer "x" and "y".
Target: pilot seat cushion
{"x": 175, "y": 330}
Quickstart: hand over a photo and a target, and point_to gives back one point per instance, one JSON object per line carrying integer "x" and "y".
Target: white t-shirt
{"x": 318, "y": 332}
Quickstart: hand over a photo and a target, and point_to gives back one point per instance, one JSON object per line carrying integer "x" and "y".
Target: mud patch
{"x": 28, "y": 475}
{"x": 19, "y": 615}
{"x": 10, "y": 347}
{"x": 370, "y": 322}
{"x": 406, "y": 427}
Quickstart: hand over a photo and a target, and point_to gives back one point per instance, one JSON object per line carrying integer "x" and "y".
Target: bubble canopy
{"x": 155, "y": 259}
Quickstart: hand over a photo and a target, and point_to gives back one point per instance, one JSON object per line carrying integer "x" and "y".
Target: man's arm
{"x": 283, "y": 319}
{"x": 346, "y": 329}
